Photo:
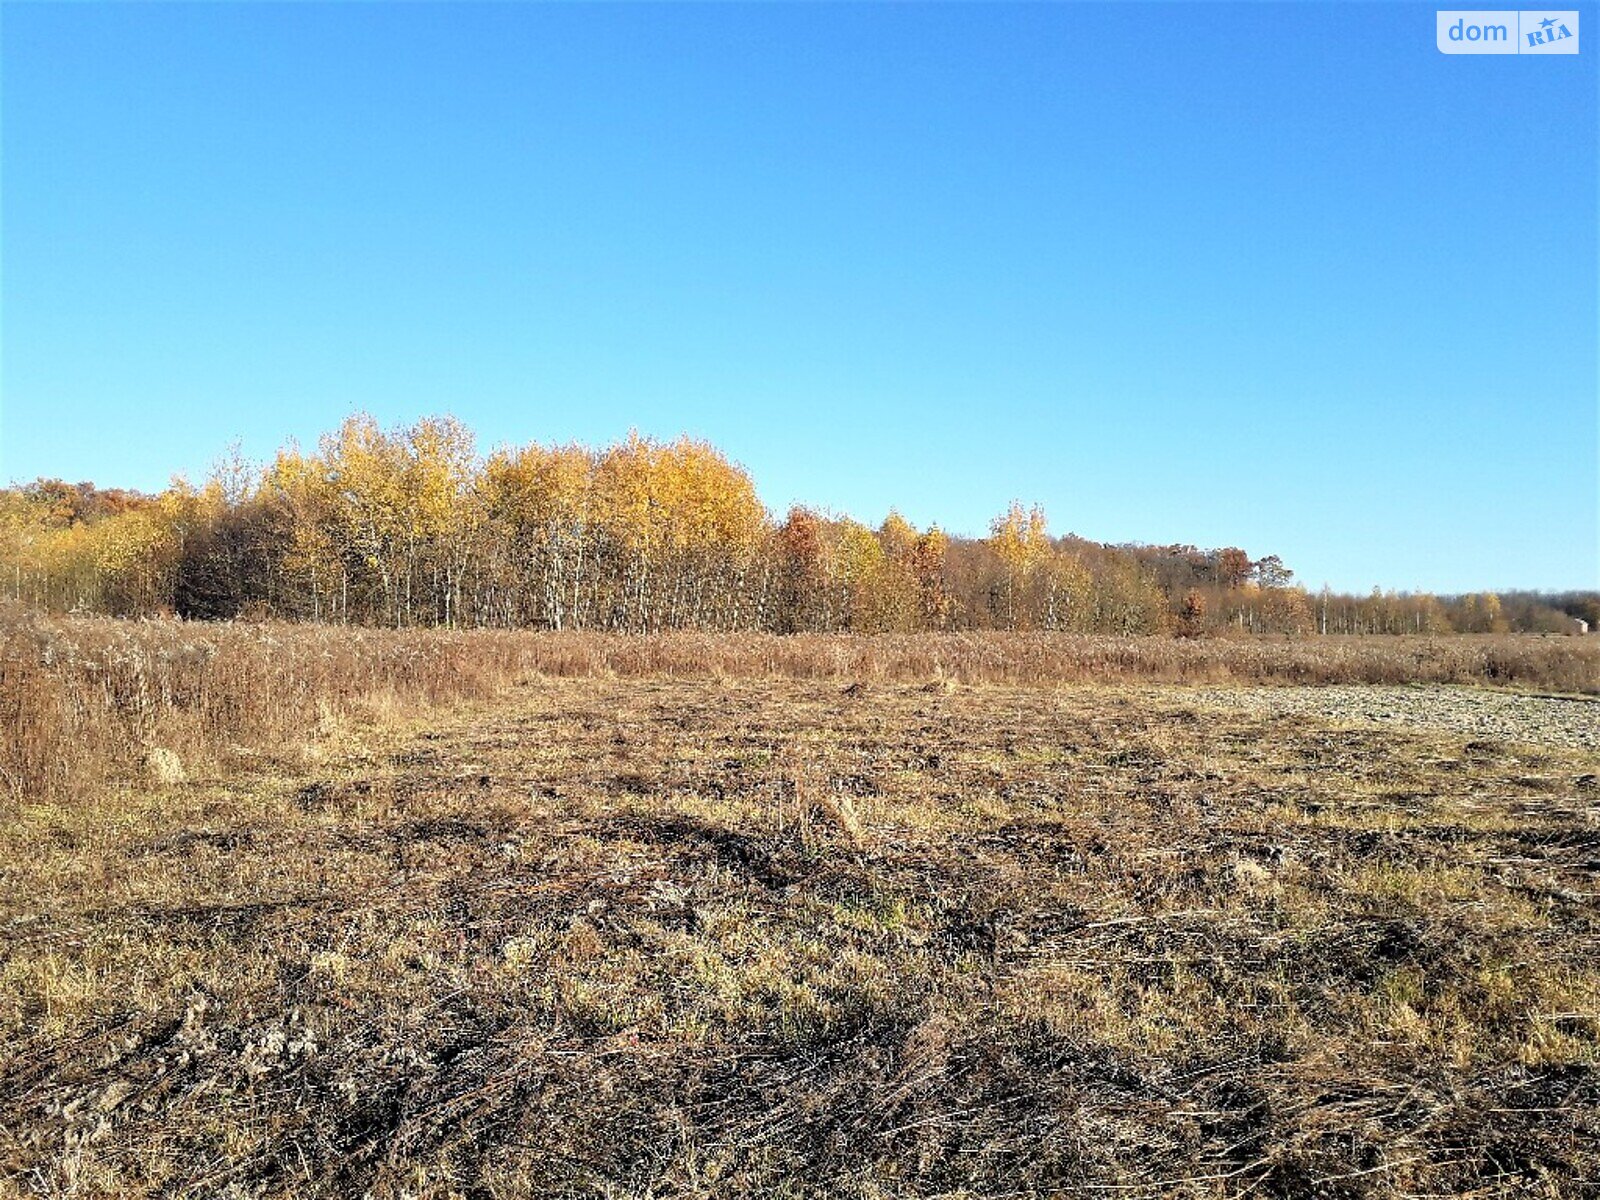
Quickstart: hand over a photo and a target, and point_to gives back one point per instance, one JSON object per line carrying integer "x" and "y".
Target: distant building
{"x": 1580, "y": 625}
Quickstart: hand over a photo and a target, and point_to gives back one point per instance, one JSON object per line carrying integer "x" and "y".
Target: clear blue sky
{"x": 1280, "y": 276}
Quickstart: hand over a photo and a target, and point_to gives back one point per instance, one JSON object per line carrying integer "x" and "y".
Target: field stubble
{"x": 627, "y": 936}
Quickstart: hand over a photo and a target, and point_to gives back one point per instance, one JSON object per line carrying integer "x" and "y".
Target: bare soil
{"x": 1572, "y": 722}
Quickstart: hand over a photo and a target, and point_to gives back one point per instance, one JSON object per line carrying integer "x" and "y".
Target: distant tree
{"x": 1192, "y": 616}
{"x": 1271, "y": 573}
{"x": 1020, "y": 541}
{"x": 802, "y": 573}
{"x": 1233, "y": 567}
{"x": 928, "y": 557}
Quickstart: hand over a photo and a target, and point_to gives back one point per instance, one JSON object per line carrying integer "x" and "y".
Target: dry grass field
{"x": 89, "y": 701}
{"x": 519, "y": 924}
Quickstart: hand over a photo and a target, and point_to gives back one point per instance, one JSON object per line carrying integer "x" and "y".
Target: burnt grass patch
{"x": 779, "y": 938}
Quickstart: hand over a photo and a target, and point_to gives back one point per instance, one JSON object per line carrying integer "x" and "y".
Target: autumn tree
{"x": 1233, "y": 567}
{"x": 1019, "y": 540}
{"x": 934, "y": 601}
{"x": 537, "y": 535}
{"x": 1192, "y": 616}
{"x": 802, "y": 573}
{"x": 300, "y": 509}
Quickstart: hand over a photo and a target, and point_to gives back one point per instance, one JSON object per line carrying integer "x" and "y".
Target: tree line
{"x": 411, "y": 526}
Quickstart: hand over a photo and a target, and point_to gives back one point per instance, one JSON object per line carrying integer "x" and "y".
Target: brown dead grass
{"x": 752, "y": 937}
{"x": 91, "y": 700}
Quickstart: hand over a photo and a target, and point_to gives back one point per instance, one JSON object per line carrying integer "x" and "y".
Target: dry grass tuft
{"x": 162, "y": 766}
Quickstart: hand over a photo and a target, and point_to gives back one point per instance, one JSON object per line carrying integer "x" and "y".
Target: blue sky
{"x": 1274, "y": 275}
